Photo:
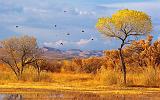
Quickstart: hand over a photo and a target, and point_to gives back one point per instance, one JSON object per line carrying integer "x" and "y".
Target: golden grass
{"x": 105, "y": 82}
{"x": 47, "y": 87}
{"x": 107, "y": 77}
{"x": 72, "y": 82}
{"x": 148, "y": 77}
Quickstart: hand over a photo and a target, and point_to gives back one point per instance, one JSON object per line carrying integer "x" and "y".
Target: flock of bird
{"x": 56, "y": 26}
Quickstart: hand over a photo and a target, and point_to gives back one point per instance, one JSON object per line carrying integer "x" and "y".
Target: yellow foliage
{"x": 128, "y": 21}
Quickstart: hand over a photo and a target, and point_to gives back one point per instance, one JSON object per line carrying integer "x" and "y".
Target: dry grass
{"x": 106, "y": 81}
{"x": 107, "y": 77}
{"x": 148, "y": 77}
{"x": 104, "y": 77}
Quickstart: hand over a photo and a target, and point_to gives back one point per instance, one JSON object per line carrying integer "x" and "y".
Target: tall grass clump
{"x": 30, "y": 75}
{"x": 150, "y": 77}
{"x": 107, "y": 77}
{"x": 6, "y": 77}
{"x": 147, "y": 77}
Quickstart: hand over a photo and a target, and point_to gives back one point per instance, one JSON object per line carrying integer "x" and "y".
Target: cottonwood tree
{"x": 19, "y": 52}
{"x": 125, "y": 25}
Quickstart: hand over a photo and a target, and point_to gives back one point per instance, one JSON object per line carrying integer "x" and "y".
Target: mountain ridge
{"x": 54, "y": 53}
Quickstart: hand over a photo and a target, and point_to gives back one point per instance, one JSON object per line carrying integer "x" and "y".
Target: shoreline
{"x": 23, "y": 88}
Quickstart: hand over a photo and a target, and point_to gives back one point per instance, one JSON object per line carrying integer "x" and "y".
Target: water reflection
{"x": 77, "y": 96}
{"x": 12, "y": 97}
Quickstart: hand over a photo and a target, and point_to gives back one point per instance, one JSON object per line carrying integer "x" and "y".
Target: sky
{"x": 38, "y": 18}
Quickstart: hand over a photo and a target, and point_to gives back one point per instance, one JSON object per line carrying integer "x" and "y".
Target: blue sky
{"x": 38, "y": 17}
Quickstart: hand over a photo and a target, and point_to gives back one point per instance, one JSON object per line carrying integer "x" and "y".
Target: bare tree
{"x": 19, "y": 52}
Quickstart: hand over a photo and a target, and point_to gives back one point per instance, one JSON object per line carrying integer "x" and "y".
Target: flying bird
{"x": 65, "y": 11}
{"x": 17, "y": 26}
{"x": 55, "y": 25}
{"x": 83, "y": 31}
{"x": 92, "y": 39}
{"x": 61, "y": 43}
{"x": 68, "y": 34}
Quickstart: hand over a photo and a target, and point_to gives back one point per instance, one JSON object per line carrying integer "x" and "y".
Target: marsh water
{"x": 77, "y": 96}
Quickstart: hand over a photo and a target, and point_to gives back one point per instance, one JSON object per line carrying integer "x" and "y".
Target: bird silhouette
{"x": 68, "y": 34}
{"x": 17, "y": 26}
{"x": 55, "y": 25}
{"x": 65, "y": 11}
{"x": 92, "y": 39}
{"x": 83, "y": 31}
{"x": 61, "y": 43}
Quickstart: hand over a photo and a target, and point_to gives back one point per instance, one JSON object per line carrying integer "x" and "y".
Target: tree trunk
{"x": 19, "y": 76}
{"x": 39, "y": 75}
{"x": 123, "y": 65}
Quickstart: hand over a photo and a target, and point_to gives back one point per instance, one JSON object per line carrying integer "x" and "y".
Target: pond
{"x": 77, "y": 96}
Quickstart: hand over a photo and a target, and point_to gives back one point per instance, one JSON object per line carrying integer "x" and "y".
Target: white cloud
{"x": 81, "y": 42}
{"x": 133, "y": 5}
{"x": 55, "y": 44}
{"x": 85, "y": 41}
{"x": 48, "y": 44}
{"x": 82, "y": 12}
{"x": 35, "y": 10}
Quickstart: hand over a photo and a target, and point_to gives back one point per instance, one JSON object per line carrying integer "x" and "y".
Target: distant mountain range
{"x": 53, "y": 53}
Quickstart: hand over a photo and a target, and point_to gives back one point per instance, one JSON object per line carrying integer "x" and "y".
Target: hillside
{"x": 53, "y": 53}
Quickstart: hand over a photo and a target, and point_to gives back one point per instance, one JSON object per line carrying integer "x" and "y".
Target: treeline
{"x": 139, "y": 56}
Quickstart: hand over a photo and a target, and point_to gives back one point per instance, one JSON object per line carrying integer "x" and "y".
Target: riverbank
{"x": 51, "y": 87}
